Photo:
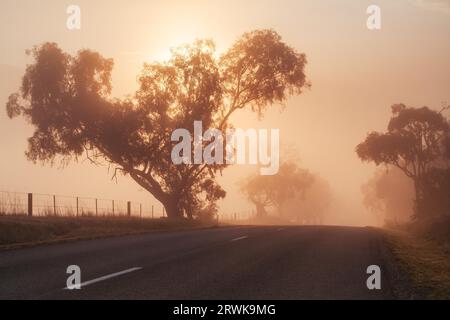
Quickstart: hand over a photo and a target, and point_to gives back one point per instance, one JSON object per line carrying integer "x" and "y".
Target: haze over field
{"x": 356, "y": 75}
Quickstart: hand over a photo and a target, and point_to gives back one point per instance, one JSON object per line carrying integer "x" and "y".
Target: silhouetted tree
{"x": 311, "y": 206}
{"x": 436, "y": 197}
{"x": 416, "y": 142}
{"x": 258, "y": 190}
{"x": 277, "y": 190}
{"x": 389, "y": 195}
{"x": 67, "y": 100}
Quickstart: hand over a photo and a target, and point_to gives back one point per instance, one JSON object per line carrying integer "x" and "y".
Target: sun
{"x": 163, "y": 52}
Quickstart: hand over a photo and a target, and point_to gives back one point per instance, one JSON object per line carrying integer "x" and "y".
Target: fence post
{"x": 113, "y": 207}
{"x": 54, "y": 205}
{"x": 140, "y": 210}
{"x": 77, "y": 207}
{"x": 30, "y": 204}
{"x": 153, "y": 211}
{"x": 96, "y": 207}
{"x": 129, "y": 208}
{"x": 164, "y": 212}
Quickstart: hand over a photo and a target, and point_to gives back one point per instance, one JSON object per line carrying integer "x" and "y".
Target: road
{"x": 221, "y": 264}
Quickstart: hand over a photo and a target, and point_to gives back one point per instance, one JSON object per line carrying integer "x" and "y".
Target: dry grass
{"x": 423, "y": 252}
{"x": 16, "y": 232}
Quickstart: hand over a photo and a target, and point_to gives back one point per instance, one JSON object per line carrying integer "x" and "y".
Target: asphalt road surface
{"x": 280, "y": 263}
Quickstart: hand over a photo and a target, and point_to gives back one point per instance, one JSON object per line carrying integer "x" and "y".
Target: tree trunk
{"x": 170, "y": 202}
{"x": 172, "y": 207}
{"x": 190, "y": 214}
{"x": 418, "y": 188}
{"x": 260, "y": 210}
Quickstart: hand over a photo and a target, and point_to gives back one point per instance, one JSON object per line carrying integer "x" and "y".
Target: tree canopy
{"x": 417, "y": 142}
{"x": 275, "y": 191}
{"x": 67, "y": 100}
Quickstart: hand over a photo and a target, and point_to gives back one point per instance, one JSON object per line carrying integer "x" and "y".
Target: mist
{"x": 325, "y": 123}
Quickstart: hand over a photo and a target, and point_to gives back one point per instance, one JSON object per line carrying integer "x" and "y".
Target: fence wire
{"x": 46, "y": 205}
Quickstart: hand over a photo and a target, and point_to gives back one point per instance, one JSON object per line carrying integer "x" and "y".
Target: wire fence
{"x": 238, "y": 216}
{"x": 46, "y": 205}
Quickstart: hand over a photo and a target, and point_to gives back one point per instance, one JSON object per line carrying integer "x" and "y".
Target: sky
{"x": 356, "y": 75}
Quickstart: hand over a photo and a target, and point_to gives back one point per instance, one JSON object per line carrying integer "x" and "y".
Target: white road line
{"x": 109, "y": 276}
{"x": 240, "y": 238}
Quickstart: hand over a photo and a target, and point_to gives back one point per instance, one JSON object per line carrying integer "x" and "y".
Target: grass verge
{"x": 424, "y": 257}
{"x": 18, "y": 232}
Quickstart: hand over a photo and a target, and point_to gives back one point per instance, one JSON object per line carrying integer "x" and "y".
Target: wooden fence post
{"x": 96, "y": 207}
{"x": 30, "y": 204}
{"x": 54, "y": 205}
{"x": 129, "y": 208}
{"x": 77, "y": 207}
{"x": 153, "y": 207}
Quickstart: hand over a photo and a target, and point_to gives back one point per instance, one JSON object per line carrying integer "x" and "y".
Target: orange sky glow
{"x": 356, "y": 75}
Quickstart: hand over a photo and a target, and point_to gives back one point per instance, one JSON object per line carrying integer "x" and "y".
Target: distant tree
{"x": 416, "y": 142}
{"x": 258, "y": 190}
{"x": 312, "y": 206}
{"x": 389, "y": 195}
{"x": 66, "y": 99}
{"x": 275, "y": 191}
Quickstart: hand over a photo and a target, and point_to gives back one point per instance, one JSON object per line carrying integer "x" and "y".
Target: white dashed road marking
{"x": 109, "y": 276}
{"x": 240, "y": 238}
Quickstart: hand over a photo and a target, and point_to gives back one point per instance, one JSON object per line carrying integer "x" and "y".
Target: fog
{"x": 356, "y": 75}
{"x": 389, "y": 196}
